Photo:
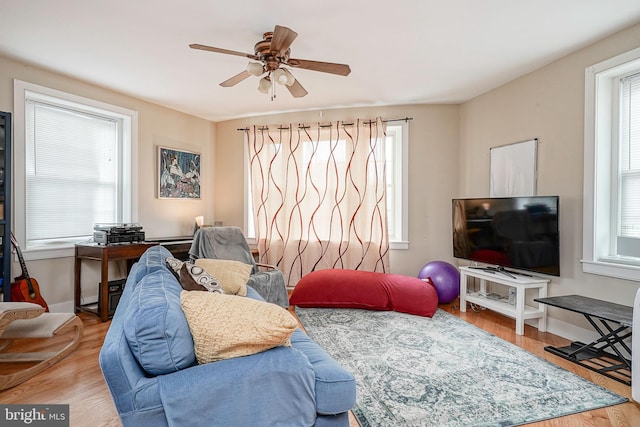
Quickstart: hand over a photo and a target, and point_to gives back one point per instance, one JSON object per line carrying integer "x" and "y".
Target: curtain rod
{"x": 405, "y": 119}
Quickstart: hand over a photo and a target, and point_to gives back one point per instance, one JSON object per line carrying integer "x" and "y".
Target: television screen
{"x": 516, "y": 232}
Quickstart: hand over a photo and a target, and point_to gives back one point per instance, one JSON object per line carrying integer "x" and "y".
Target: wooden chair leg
{"x": 4, "y": 344}
{"x": 44, "y": 359}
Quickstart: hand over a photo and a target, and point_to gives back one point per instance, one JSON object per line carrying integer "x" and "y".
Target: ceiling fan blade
{"x": 282, "y": 39}
{"x": 235, "y": 79}
{"x": 219, "y": 50}
{"x": 325, "y": 67}
{"x": 297, "y": 90}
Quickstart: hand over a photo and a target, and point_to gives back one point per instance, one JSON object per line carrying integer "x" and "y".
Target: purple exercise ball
{"x": 445, "y": 277}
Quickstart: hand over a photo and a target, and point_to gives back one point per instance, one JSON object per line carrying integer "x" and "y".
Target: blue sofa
{"x": 149, "y": 365}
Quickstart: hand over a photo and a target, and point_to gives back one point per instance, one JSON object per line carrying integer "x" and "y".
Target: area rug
{"x": 445, "y": 372}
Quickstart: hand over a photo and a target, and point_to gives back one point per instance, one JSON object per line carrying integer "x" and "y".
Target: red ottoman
{"x": 336, "y": 288}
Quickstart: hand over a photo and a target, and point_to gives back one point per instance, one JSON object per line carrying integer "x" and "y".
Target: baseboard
{"x": 68, "y": 306}
{"x": 91, "y": 299}
{"x": 61, "y": 307}
{"x": 570, "y": 331}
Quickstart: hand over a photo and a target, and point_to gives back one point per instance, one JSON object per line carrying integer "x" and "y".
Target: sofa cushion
{"x": 151, "y": 260}
{"x": 336, "y": 288}
{"x": 227, "y": 326}
{"x": 155, "y": 326}
{"x": 253, "y": 294}
{"x": 335, "y": 387}
{"x": 232, "y": 275}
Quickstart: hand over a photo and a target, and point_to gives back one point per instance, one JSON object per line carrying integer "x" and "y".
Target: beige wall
{"x": 547, "y": 104}
{"x": 156, "y": 126}
{"x": 433, "y": 178}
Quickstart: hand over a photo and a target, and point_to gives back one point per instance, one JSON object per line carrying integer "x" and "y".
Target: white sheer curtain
{"x": 319, "y": 196}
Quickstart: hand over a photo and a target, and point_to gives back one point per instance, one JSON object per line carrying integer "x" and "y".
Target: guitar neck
{"x": 23, "y": 265}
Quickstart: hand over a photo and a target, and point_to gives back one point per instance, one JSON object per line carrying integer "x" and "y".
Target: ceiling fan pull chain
{"x": 273, "y": 89}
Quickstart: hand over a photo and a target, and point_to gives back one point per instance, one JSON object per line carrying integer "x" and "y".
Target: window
{"x": 398, "y": 184}
{"x": 73, "y": 168}
{"x": 397, "y": 187}
{"x": 611, "y": 235}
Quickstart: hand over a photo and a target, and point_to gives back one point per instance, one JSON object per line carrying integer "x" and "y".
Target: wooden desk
{"x": 613, "y": 322}
{"x": 178, "y": 246}
{"x": 129, "y": 252}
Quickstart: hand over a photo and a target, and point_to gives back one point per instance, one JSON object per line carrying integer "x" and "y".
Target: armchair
{"x": 229, "y": 243}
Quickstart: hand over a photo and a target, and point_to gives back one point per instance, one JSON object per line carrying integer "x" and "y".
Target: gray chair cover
{"x": 230, "y": 243}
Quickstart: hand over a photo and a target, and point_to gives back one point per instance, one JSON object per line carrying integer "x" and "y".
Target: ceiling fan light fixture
{"x": 255, "y": 68}
{"x": 290, "y": 79}
{"x": 265, "y": 85}
{"x": 280, "y": 76}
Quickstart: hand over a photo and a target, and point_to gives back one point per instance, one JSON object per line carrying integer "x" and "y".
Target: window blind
{"x": 72, "y": 162}
{"x": 629, "y": 168}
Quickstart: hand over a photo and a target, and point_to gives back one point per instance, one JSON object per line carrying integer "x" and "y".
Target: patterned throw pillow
{"x": 193, "y": 277}
{"x": 227, "y": 326}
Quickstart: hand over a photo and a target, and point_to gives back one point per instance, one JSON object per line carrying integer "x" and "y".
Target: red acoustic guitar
{"x": 24, "y": 288}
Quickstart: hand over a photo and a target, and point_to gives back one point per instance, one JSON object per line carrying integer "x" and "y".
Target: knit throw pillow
{"x": 193, "y": 277}
{"x": 227, "y": 326}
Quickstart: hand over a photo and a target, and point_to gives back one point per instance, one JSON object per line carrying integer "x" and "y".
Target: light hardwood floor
{"x": 77, "y": 380}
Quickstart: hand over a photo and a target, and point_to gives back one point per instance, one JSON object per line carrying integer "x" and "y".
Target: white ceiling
{"x": 401, "y": 52}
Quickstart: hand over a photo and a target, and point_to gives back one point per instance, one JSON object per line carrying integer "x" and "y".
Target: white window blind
{"x": 629, "y": 169}
{"x": 72, "y": 172}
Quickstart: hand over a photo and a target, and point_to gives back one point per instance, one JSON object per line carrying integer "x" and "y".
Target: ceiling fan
{"x": 273, "y": 53}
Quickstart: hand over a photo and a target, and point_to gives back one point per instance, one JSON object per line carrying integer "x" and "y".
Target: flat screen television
{"x": 508, "y": 232}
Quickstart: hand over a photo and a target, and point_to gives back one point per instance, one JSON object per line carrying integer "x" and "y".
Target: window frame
{"x": 401, "y": 171}
{"x": 129, "y": 175}
{"x": 600, "y": 201}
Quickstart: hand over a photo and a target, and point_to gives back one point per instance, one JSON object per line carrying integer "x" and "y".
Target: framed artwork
{"x": 178, "y": 174}
{"x": 514, "y": 169}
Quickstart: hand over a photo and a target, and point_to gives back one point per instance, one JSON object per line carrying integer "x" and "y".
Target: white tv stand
{"x": 519, "y": 311}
